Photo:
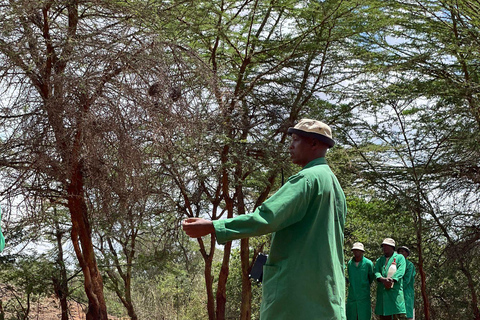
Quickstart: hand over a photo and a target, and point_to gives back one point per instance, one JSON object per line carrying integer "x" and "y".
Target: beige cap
{"x": 313, "y": 129}
{"x": 358, "y": 246}
{"x": 388, "y": 241}
{"x": 404, "y": 248}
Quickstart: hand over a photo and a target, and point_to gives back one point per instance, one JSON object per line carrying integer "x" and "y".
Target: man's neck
{"x": 358, "y": 259}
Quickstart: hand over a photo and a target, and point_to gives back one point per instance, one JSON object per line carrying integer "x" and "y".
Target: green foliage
{"x": 418, "y": 110}
{"x": 27, "y": 279}
{"x": 170, "y": 296}
{"x": 196, "y": 121}
{"x": 234, "y": 290}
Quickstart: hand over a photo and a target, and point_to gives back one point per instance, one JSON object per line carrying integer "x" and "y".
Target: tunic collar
{"x": 315, "y": 162}
{"x": 389, "y": 261}
{"x": 359, "y": 262}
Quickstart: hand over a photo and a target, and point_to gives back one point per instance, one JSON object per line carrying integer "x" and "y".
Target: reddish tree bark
{"x": 61, "y": 284}
{"x": 208, "y": 258}
{"x": 421, "y": 270}
{"x": 82, "y": 242}
{"x": 246, "y": 307}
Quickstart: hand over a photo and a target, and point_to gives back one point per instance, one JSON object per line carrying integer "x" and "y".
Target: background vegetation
{"x": 120, "y": 118}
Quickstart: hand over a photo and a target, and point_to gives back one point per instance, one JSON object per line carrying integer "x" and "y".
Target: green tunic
{"x": 360, "y": 278}
{"x": 304, "y": 274}
{"x": 2, "y": 239}
{"x": 408, "y": 289}
{"x": 390, "y": 301}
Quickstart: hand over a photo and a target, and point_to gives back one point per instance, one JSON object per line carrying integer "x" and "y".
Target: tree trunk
{"x": 27, "y": 310}
{"x": 221, "y": 297}
{"x": 82, "y": 242}
{"x": 208, "y": 258}
{"x": 458, "y": 255}
{"x": 2, "y": 312}
{"x": 127, "y": 299}
{"x": 128, "y": 293}
{"x": 222, "y": 282}
{"x": 131, "y": 311}
{"x": 124, "y": 295}
{"x": 421, "y": 270}
{"x": 246, "y": 307}
{"x": 61, "y": 285}
{"x": 471, "y": 286}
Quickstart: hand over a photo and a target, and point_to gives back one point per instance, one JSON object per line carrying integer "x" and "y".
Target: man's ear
{"x": 316, "y": 143}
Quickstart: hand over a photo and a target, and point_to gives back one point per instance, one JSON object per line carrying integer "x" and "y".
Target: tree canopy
{"x": 121, "y": 118}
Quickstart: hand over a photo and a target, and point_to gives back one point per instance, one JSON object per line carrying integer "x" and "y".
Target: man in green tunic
{"x": 408, "y": 279}
{"x": 2, "y": 239}
{"x": 303, "y": 277}
{"x": 390, "y": 301}
{"x": 360, "y": 277}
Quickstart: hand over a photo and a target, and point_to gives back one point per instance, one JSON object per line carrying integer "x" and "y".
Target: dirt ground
{"x": 49, "y": 309}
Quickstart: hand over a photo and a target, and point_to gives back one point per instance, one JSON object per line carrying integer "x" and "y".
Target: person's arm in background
{"x": 347, "y": 274}
{"x": 407, "y": 278}
{"x": 376, "y": 270}
{"x": 2, "y": 238}
{"x": 371, "y": 274}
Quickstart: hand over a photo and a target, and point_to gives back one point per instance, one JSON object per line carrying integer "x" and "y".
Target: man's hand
{"x": 387, "y": 282}
{"x": 197, "y": 227}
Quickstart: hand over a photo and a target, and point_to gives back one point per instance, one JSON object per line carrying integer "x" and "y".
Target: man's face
{"x": 357, "y": 253}
{"x": 388, "y": 250}
{"x": 300, "y": 150}
{"x": 403, "y": 252}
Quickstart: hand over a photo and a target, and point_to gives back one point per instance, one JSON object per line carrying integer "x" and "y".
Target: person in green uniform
{"x": 408, "y": 279}
{"x": 390, "y": 301}
{"x": 304, "y": 276}
{"x": 360, "y": 277}
{"x": 2, "y": 239}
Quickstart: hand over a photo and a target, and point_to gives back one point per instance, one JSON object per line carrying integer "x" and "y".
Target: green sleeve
{"x": 377, "y": 269}
{"x": 2, "y": 239}
{"x": 286, "y": 207}
{"x": 371, "y": 275}
{"x": 407, "y": 278}
{"x": 401, "y": 266}
{"x": 347, "y": 271}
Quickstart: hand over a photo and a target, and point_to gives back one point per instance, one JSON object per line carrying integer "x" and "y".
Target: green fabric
{"x": 304, "y": 274}
{"x": 360, "y": 278}
{"x": 2, "y": 239}
{"x": 408, "y": 289}
{"x": 390, "y": 301}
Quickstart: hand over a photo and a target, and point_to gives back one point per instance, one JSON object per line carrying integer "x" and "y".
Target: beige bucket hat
{"x": 389, "y": 242}
{"x": 358, "y": 246}
{"x": 313, "y": 129}
{"x": 404, "y": 248}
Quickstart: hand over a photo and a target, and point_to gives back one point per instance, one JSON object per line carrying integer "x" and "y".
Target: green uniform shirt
{"x": 390, "y": 301}
{"x": 360, "y": 278}
{"x": 408, "y": 289}
{"x": 2, "y": 239}
{"x": 304, "y": 274}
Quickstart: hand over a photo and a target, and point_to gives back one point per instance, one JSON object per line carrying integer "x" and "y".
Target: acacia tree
{"x": 267, "y": 64}
{"x": 134, "y": 219}
{"x": 418, "y": 133}
{"x": 67, "y": 73}
{"x": 449, "y": 33}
